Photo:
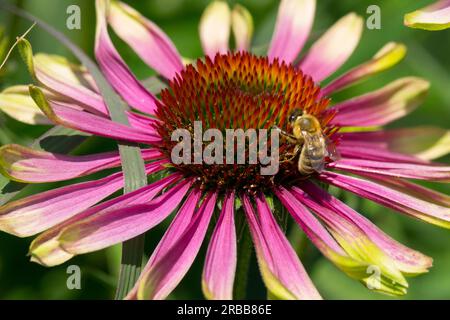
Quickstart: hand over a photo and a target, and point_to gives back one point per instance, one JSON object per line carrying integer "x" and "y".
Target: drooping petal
{"x": 388, "y": 56}
{"x": 383, "y": 106}
{"x": 64, "y": 79}
{"x": 357, "y": 243}
{"x": 350, "y": 261}
{"x": 39, "y": 212}
{"x": 426, "y": 143}
{"x": 70, "y": 80}
{"x": 221, "y": 257}
{"x": 33, "y": 166}
{"x": 312, "y": 227}
{"x": 90, "y": 123}
{"x": 36, "y": 213}
{"x": 17, "y": 103}
{"x": 282, "y": 271}
{"x": 176, "y": 229}
{"x": 334, "y": 48}
{"x": 412, "y": 189}
{"x": 115, "y": 69}
{"x": 215, "y": 27}
{"x": 294, "y": 23}
{"x": 242, "y": 25}
{"x": 391, "y": 198}
{"x": 429, "y": 172}
{"x": 107, "y": 228}
{"x": 146, "y": 38}
{"x": 46, "y": 249}
{"x": 169, "y": 268}
{"x": 368, "y": 151}
{"x": 434, "y": 17}
{"x": 408, "y": 261}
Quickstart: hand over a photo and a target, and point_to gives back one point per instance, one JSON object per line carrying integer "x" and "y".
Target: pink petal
{"x": 357, "y": 244}
{"x": 142, "y": 122}
{"x": 175, "y": 231}
{"x": 107, "y": 228}
{"x": 309, "y": 224}
{"x": 334, "y": 48}
{"x": 34, "y": 166}
{"x": 90, "y": 123}
{"x": 115, "y": 69}
{"x": 39, "y": 212}
{"x": 412, "y": 189}
{"x": 62, "y": 77}
{"x": 147, "y": 40}
{"x": 387, "y": 57}
{"x": 167, "y": 270}
{"x": 36, "y": 213}
{"x": 407, "y": 260}
{"x": 360, "y": 253}
{"x": 221, "y": 257}
{"x": 280, "y": 267}
{"x": 368, "y": 151}
{"x": 391, "y": 198}
{"x": 46, "y": 249}
{"x": 394, "y": 169}
{"x": 423, "y": 142}
{"x": 383, "y": 106}
{"x": 294, "y": 23}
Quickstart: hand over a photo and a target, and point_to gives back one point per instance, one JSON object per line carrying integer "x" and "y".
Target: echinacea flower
{"x": 236, "y": 90}
{"x": 434, "y": 17}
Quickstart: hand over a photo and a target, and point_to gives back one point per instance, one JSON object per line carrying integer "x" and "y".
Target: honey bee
{"x": 310, "y": 142}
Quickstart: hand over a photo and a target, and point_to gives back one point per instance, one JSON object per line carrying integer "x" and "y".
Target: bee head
{"x": 295, "y": 115}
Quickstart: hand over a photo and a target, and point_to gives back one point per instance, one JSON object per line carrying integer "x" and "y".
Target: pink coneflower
{"x": 231, "y": 90}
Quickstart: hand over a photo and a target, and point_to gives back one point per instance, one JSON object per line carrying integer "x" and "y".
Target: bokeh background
{"x": 428, "y": 57}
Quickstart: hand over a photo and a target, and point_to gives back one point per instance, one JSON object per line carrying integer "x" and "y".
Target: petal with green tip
{"x": 383, "y": 106}
{"x": 333, "y": 49}
{"x": 434, "y": 17}
{"x": 17, "y": 103}
{"x": 388, "y": 56}
{"x": 34, "y": 166}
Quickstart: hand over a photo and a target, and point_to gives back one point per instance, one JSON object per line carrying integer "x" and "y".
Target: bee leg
{"x": 289, "y": 137}
{"x": 293, "y": 154}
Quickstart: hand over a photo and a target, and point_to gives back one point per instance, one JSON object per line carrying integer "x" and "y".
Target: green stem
{"x": 243, "y": 265}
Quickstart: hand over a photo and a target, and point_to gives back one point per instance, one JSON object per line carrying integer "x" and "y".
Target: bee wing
{"x": 315, "y": 149}
{"x": 332, "y": 151}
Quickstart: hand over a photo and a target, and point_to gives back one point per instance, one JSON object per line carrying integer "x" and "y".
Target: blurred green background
{"x": 428, "y": 57}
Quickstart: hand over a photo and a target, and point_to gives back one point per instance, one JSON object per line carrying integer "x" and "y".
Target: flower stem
{"x": 131, "y": 265}
{"x": 243, "y": 265}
